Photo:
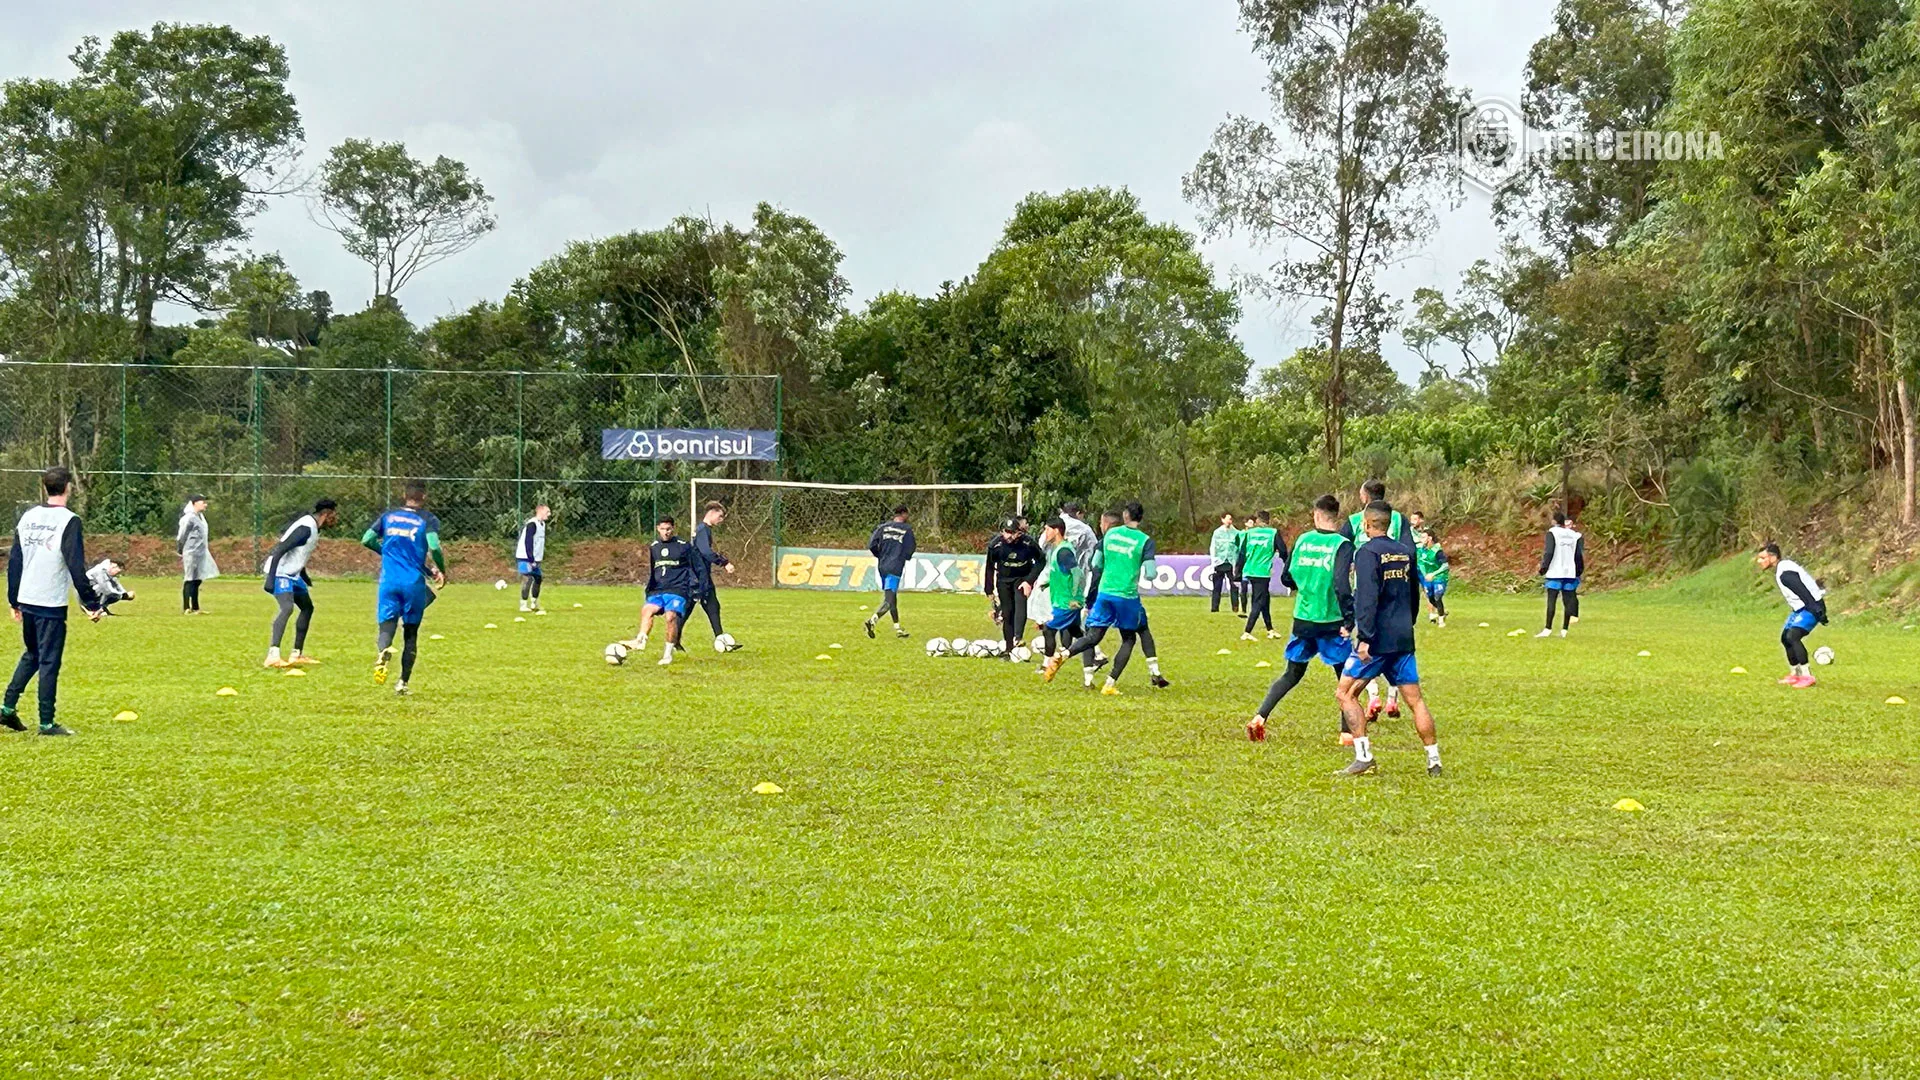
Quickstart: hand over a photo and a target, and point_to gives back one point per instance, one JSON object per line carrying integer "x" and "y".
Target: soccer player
{"x": 1434, "y": 574}
{"x": 105, "y": 576}
{"x": 713, "y": 515}
{"x": 1256, "y": 568}
{"x": 1224, "y": 550}
{"x": 196, "y": 561}
{"x": 528, "y": 552}
{"x": 1124, "y": 551}
{"x": 407, "y": 538}
{"x": 1013, "y": 565}
{"x": 1386, "y": 602}
{"x": 673, "y": 577}
{"x": 1562, "y": 563}
{"x": 1066, "y": 584}
{"x": 1320, "y": 573}
{"x": 892, "y": 547}
{"x": 1371, "y": 492}
{"x": 287, "y": 581}
{"x": 48, "y": 555}
{"x": 1806, "y": 609}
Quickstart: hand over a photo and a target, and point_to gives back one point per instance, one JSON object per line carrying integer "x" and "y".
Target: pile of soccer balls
{"x": 979, "y": 650}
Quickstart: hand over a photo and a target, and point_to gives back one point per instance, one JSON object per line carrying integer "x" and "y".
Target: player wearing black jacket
{"x": 673, "y": 577}
{"x": 707, "y": 596}
{"x": 1014, "y": 562}
{"x": 1386, "y": 604}
{"x": 892, "y": 546}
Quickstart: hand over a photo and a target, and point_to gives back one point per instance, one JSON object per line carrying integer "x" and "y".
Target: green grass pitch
{"x": 543, "y": 866}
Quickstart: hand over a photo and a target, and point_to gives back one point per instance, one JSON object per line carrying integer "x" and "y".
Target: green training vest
{"x": 1311, "y": 567}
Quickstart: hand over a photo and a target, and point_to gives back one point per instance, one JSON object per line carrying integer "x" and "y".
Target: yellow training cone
{"x": 296, "y": 673}
{"x": 1737, "y": 671}
{"x": 579, "y": 605}
{"x": 768, "y": 787}
{"x": 1515, "y": 633}
{"x": 835, "y": 645}
{"x": 1643, "y": 652}
{"x": 1896, "y": 700}
{"x": 126, "y": 715}
{"x": 823, "y": 656}
{"x": 1224, "y": 652}
{"x": 519, "y": 618}
{"x": 1263, "y": 663}
{"x": 1486, "y": 626}
{"x": 226, "y": 691}
{"x": 436, "y": 637}
{"x": 1631, "y": 806}
{"x": 489, "y": 626}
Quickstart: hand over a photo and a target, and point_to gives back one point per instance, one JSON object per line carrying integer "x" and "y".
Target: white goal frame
{"x": 694, "y": 501}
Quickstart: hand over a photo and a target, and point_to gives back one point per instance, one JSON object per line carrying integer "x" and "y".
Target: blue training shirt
{"x": 404, "y": 550}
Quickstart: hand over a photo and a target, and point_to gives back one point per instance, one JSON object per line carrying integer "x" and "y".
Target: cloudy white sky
{"x": 906, "y": 128}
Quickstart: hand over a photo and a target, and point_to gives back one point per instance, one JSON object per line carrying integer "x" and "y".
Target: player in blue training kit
{"x": 407, "y": 539}
{"x": 673, "y": 580}
{"x": 1386, "y": 602}
{"x": 892, "y": 547}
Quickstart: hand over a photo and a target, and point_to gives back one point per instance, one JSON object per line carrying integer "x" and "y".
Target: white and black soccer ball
{"x": 617, "y": 653}
{"x": 725, "y": 643}
{"x": 937, "y": 646}
{"x": 1823, "y": 655}
{"x": 500, "y": 583}
{"x": 996, "y": 648}
{"x": 1021, "y": 655}
{"x": 961, "y": 647}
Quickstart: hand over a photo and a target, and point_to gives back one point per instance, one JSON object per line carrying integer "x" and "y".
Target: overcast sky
{"x": 906, "y": 129}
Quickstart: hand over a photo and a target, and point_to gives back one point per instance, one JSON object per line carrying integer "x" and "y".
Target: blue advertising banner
{"x": 683, "y": 444}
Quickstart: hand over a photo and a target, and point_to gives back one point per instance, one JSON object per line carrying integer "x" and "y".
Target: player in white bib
{"x": 288, "y": 583}
{"x": 1562, "y": 563}
{"x": 1806, "y": 609}
{"x": 528, "y": 553}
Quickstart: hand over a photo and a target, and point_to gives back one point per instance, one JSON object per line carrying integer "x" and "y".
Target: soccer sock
{"x": 300, "y": 625}
{"x": 526, "y": 587}
{"x": 1553, "y": 599}
{"x": 1433, "y": 754}
{"x": 385, "y": 638}
{"x": 536, "y": 588}
{"x": 1362, "y": 748}
{"x": 1120, "y": 658}
{"x": 1373, "y": 694}
{"x": 1281, "y": 687}
{"x": 409, "y": 648}
{"x": 1393, "y": 696}
{"x": 1153, "y": 666}
{"x": 280, "y": 620}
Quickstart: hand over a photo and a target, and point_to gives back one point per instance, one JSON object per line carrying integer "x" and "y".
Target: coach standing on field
{"x": 48, "y": 555}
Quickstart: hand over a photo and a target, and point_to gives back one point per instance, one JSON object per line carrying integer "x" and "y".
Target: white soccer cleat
{"x": 1248, "y": 637}
{"x": 1441, "y": 622}
{"x": 1544, "y": 633}
{"x": 1575, "y": 621}
{"x": 274, "y": 661}
{"x": 1563, "y": 633}
{"x": 1274, "y": 635}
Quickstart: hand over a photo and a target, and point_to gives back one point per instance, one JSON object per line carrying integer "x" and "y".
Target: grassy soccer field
{"x": 541, "y": 866}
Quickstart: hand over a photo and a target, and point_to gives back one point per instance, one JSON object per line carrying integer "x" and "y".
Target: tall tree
{"x": 398, "y": 214}
{"x": 1344, "y": 178}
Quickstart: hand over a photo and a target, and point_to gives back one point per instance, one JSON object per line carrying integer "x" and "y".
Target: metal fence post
{"x": 126, "y": 521}
{"x": 388, "y": 494}
{"x": 519, "y": 442}
{"x": 259, "y": 455}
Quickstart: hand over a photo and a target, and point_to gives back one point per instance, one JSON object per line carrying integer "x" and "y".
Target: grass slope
{"x": 540, "y": 866}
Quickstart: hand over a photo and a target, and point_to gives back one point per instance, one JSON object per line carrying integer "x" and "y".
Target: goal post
{"x": 829, "y": 521}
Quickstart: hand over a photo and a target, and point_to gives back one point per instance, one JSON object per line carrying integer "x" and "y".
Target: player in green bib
{"x": 1434, "y": 573}
{"x": 1320, "y": 573}
{"x": 1066, "y": 584}
{"x": 1125, "y": 552}
{"x": 1256, "y": 566}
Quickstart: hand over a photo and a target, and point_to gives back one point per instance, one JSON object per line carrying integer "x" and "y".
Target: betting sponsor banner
{"x": 853, "y": 571}
{"x": 687, "y": 444}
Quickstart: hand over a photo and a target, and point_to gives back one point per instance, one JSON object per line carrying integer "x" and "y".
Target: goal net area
{"x": 814, "y": 536}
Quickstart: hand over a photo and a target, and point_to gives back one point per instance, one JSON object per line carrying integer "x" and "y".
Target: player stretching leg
{"x": 1562, "y": 564}
{"x": 288, "y": 583}
{"x": 406, "y": 539}
{"x": 892, "y": 547}
{"x": 673, "y": 576}
{"x": 1066, "y": 582}
{"x": 1320, "y": 573}
{"x": 1386, "y": 601}
{"x": 1434, "y": 574}
{"x": 1256, "y": 568}
{"x": 528, "y": 553}
{"x": 1125, "y": 552}
{"x": 1807, "y": 609}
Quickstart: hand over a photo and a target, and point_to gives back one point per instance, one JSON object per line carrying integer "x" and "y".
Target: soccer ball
{"x": 1022, "y": 654}
{"x": 500, "y": 584}
{"x": 937, "y": 647}
{"x": 996, "y": 648}
{"x": 1823, "y": 655}
{"x": 616, "y": 654}
{"x": 725, "y": 643}
{"x": 961, "y": 647}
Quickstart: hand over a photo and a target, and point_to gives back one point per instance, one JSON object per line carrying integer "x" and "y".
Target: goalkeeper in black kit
{"x": 1014, "y": 561}
{"x": 892, "y": 547}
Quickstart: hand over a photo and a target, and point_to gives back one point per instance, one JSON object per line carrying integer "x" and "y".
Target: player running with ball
{"x": 1066, "y": 582}
{"x": 1124, "y": 552}
{"x": 1806, "y": 609}
{"x": 1320, "y": 573}
{"x": 673, "y": 577}
{"x": 406, "y": 539}
{"x": 1386, "y": 601}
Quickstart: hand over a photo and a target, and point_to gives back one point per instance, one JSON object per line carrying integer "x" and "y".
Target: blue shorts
{"x": 406, "y": 602}
{"x": 1119, "y": 612}
{"x": 1399, "y": 668}
{"x": 1063, "y": 619}
{"x": 287, "y": 586}
{"x": 529, "y": 569}
{"x": 1802, "y": 620}
{"x": 1563, "y": 584}
{"x": 667, "y": 601}
{"x": 1332, "y": 649}
{"x": 1436, "y": 589}
{"x": 890, "y": 583}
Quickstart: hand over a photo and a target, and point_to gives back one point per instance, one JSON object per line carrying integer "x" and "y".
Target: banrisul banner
{"x": 685, "y": 444}
{"x": 853, "y": 571}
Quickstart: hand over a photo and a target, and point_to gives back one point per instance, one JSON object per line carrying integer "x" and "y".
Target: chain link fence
{"x": 262, "y": 443}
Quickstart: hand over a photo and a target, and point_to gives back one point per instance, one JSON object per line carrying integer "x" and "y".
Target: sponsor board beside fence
{"x": 686, "y": 444}
{"x": 853, "y": 571}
